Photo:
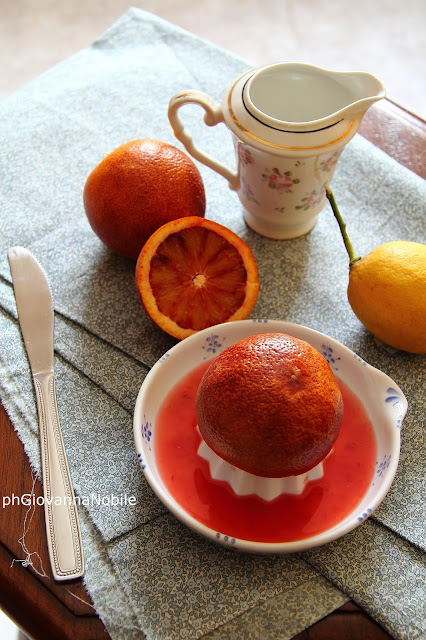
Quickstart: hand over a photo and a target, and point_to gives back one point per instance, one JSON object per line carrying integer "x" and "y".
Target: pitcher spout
{"x": 363, "y": 90}
{"x": 295, "y": 97}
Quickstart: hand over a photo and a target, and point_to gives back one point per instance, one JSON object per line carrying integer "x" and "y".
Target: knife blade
{"x": 36, "y": 319}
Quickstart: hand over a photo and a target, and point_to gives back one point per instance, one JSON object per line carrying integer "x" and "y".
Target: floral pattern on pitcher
{"x": 311, "y": 200}
{"x": 245, "y": 155}
{"x": 247, "y": 191}
{"x": 278, "y": 180}
{"x": 330, "y": 162}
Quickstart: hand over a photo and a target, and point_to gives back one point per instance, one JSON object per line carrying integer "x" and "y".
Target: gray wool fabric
{"x": 147, "y": 573}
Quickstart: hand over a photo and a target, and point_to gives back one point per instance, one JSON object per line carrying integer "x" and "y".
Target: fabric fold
{"x": 382, "y": 572}
{"x": 191, "y": 588}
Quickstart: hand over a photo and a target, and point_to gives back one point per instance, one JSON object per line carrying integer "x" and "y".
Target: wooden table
{"x": 46, "y": 610}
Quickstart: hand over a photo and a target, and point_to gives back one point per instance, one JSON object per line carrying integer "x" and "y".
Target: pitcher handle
{"x": 212, "y": 117}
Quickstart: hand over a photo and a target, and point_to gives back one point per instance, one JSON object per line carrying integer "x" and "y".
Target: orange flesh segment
{"x": 197, "y": 278}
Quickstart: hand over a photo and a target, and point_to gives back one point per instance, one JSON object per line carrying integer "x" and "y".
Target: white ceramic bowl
{"x": 382, "y": 399}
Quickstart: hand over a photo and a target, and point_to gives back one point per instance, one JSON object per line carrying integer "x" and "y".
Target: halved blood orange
{"x": 193, "y": 273}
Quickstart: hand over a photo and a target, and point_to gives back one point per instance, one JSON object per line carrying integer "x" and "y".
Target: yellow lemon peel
{"x": 387, "y": 290}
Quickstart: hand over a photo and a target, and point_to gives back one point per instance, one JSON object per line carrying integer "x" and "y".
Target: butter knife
{"x": 36, "y": 319}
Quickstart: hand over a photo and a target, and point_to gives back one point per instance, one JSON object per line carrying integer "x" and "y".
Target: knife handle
{"x": 62, "y": 525}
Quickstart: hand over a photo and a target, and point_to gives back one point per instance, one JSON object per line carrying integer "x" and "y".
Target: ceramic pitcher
{"x": 289, "y": 123}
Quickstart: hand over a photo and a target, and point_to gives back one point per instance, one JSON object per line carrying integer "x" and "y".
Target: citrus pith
{"x": 137, "y": 188}
{"x": 270, "y": 405}
{"x": 194, "y": 273}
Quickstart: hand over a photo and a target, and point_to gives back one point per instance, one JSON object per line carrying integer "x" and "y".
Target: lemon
{"x": 387, "y": 290}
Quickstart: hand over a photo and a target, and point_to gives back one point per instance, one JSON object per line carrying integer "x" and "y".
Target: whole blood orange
{"x": 270, "y": 405}
{"x": 193, "y": 273}
{"x": 137, "y": 188}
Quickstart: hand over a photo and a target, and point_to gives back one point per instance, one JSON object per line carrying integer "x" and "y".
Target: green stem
{"x": 353, "y": 257}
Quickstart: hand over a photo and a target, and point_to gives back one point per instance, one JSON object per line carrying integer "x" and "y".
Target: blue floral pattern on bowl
{"x": 227, "y": 539}
{"x": 365, "y": 514}
{"x": 380, "y": 473}
{"x": 359, "y": 359}
{"x": 394, "y": 398}
{"x": 330, "y": 356}
{"x": 382, "y": 465}
{"x": 214, "y": 344}
{"x": 141, "y": 461}
{"x": 147, "y": 432}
